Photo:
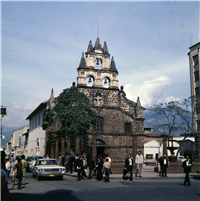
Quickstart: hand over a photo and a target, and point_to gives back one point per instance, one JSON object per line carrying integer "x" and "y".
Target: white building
{"x": 153, "y": 147}
{"x": 17, "y": 143}
{"x": 36, "y": 139}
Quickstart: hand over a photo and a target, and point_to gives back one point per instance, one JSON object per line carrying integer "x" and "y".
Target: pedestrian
{"x": 63, "y": 160}
{"x": 19, "y": 173}
{"x": 47, "y": 156}
{"x": 79, "y": 166}
{"x": 139, "y": 161}
{"x": 71, "y": 162}
{"x": 5, "y": 195}
{"x": 99, "y": 167}
{"x": 24, "y": 165}
{"x": 95, "y": 169}
{"x": 164, "y": 165}
{"x": 8, "y": 167}
{"x": 129, "y": 166}
{"x": 91, "y": 166}
{"x": 60, "y": 160}
{"x": 159, "y": 166}
{"x": 67, "y": 162}
{"x": 2, "y": 166}
{"x": 84, "y": 168}
{"x": 106, "y": 165}
{"x": 187, "y": 169}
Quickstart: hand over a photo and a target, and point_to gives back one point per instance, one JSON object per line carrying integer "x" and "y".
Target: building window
{"x": 98, "y": 126}
{"x": 127, "y": 128}
{"x": 195, "y": 60}
{"x": 196, "y": 76}
{"x": 39, "y": 120}
{"x": 197, "y": 91}
{"x": 35, "y": 122}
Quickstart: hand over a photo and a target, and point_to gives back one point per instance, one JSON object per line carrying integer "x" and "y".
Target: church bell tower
{"x": 96, "y": 69}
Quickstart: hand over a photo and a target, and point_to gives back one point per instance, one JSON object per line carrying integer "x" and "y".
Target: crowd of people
{"x": 87, "y": 167}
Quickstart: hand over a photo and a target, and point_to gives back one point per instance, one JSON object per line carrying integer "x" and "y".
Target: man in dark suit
{"x": 91, "y": 166}
{"x": 79, "y": 166}
{"x": 129, "y": 166}
{"x": 71, "y": 161}
{"x": 164, "y": 165}
{"x": 187, "y": 169}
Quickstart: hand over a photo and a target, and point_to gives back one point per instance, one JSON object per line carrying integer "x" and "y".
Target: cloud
{"x": 150, "y": 92}
{"x": 16, "y": 114}
{"x": 171, "y": 98}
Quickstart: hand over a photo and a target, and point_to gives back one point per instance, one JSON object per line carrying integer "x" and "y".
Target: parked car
{"x": 47, "y": 168}
{"x": 181, "y": 159}
{"x": 30, "y": 161}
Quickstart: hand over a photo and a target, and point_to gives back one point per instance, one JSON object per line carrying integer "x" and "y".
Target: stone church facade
{"x": 119, "y": 129}
{"x": 119, "y": 119}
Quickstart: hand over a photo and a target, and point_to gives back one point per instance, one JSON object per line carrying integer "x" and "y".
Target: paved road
{"x": 91, "y": 190}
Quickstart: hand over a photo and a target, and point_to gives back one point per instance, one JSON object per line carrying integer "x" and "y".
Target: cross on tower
{"x": 98, "y": 99}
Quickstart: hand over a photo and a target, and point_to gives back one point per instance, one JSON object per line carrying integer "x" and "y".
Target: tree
{"x": 175, "y": 117}
{"x": 73, "y": 111}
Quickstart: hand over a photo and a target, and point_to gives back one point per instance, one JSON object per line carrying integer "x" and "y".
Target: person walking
{"x": 129, "y": 166}
{"x": 164, "y": 165}
{"x": 71, "y": 161}
{"x": 139, "y": 161}
{"x": 84, "y": 168}
{"x": 187, "y": 169}
{"x": 99, "y": 167}
{"x": 67, "y": 162}
{"x": 19, "y": 173}
{"x": 79, "y": 165}
{"x": 24, "y": 165}
{"x": 63, "y": 160}
{"x": 8, "y": 167}
{"x": 106, "y": 166}
{"x": 91, "y": 166}
{"x": 59, "y": 160}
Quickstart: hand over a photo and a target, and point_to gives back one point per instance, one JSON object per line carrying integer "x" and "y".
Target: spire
{"x": 82, "y": 62}
{"x": 105, "y": 48}
{"x": 90, "y": 47}
{"x": 113, "y": 66}
{"x": 98, "y": 44}
{"x": 51, "y": 100}
{"x": 138, "y": 102}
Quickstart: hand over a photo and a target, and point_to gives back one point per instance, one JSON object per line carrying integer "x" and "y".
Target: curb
{"x": 197, "y": 177}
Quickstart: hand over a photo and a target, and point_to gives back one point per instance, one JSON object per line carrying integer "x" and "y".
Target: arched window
{"x": 90, "y": 81}
{"x": 127, "y": 128}
{"x": 106, "y": 82}
{"x": 98, "y": 63}
{"x": 98, "y": 126}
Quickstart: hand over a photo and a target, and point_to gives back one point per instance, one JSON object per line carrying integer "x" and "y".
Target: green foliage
{"x": 48, "y": 118}
{"x": 73, "y": 111}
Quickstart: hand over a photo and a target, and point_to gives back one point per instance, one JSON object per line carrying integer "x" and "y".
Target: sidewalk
{"x": 148, "y": 174}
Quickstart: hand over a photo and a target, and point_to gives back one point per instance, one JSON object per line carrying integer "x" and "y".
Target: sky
{"x": 42, "y": 44}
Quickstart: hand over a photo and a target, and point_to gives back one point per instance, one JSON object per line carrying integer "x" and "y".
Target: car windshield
{"x": 47, "y": 162}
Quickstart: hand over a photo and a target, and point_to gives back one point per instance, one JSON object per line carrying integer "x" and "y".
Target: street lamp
{"x": 3, "y": 112}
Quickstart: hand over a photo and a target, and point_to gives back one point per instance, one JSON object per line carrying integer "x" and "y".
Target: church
{"x": 119, "y": 129}
{"x": 119, "y": 119}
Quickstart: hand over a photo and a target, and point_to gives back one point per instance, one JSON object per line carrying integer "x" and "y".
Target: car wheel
{"x": 37, "y": 177}
{"x": 61, "y": 177}
{"x": 33, "y": 176}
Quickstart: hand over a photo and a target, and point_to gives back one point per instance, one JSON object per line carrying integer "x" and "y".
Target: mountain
{"x": 7, "y": 132}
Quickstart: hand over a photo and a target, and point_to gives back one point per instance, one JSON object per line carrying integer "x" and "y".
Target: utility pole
{"x": 3, "y": 112}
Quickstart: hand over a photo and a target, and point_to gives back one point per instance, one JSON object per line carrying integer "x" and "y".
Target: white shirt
{"x": 139, "y": 159}
{"x": 130, "y": 161}
{"x": 164, "y": 161}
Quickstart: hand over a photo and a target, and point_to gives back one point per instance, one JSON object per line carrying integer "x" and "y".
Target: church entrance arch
{"x": 101, "y": 147}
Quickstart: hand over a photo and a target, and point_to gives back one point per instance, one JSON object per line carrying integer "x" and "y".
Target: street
{"x": 118, "y": 189}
